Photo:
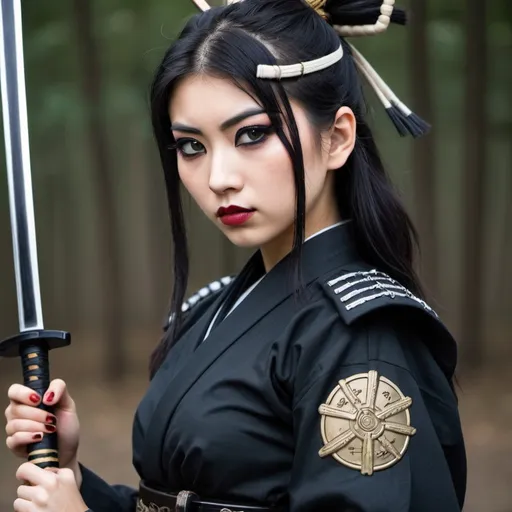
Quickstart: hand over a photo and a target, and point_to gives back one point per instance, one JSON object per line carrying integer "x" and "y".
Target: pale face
{"x": 229, "y": 156}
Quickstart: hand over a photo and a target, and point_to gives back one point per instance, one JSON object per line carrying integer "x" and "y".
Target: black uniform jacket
{"x": 276, "y": 406}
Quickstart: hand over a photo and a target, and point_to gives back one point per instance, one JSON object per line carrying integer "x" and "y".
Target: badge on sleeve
{"x": 366, "y": 423}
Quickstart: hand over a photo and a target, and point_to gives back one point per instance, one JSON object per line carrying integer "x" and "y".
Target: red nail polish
{"x": 37, "y": 437}
{"x": 52, "y": 420}
{"x": 50, "y": 397}
{"x": 34, "y": 398}
{"x": 51, "y": 428}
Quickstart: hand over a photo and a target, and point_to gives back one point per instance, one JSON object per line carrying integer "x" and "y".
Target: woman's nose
{"x": 224, "y": 175}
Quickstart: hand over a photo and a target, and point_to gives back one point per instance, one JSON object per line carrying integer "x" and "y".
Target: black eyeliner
{"x": 266, "y": 129}
{"x": 178, "y": 145}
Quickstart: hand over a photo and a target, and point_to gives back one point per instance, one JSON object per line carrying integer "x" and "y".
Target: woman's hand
{"x": 27, "y": 424}
{"x": 47, "y": 490}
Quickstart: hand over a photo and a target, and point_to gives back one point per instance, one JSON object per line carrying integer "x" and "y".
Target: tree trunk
{"x": 103, "y": 187}
{"x": 473, "y": 182}
{"x": 505, "y": 244}
{"x": 159, "y": 233}
{"x": 158, "y": 222}
{"x": 424, "y": 149}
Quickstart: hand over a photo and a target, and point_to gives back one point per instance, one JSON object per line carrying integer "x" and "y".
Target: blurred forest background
{"x": 103, "y": 231}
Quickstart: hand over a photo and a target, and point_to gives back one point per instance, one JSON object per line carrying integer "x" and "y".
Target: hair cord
{"x": 359, "y": 12}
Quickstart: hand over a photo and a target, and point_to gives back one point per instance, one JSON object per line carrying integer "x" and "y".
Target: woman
{"x": 318, "y": 379}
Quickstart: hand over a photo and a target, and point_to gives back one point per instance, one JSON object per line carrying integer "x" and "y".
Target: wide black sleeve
{"x": 99, "y": 496}
{"x": 332, "y": 373}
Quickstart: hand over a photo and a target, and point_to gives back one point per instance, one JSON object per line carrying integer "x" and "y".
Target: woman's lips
{"x": 234, "y": 215}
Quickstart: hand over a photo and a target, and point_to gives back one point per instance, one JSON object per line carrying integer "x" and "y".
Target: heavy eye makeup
{"x": 246, "y": 136}
{"x": 188, "y": 148}
{"x": 252, "y": 135}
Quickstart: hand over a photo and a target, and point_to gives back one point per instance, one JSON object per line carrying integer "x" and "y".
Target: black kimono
{"x": 341, "y": 395}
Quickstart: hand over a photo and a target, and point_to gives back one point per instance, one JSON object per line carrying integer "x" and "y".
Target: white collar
{"x": 327, "y": 229}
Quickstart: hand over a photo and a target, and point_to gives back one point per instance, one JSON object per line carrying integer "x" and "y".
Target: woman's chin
{"x": 245, "y": 238}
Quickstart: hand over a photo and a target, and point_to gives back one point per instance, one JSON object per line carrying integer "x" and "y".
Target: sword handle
{"x": 36, "y": 376}
{"x": 33, "y": 347}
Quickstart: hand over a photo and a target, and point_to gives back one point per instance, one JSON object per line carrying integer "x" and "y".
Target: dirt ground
{"x": 106, "y": 417}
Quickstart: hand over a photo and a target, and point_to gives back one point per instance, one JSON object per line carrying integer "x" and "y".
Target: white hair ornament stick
{"x": 300, "y": 69}
{"x": 202, "y": 4}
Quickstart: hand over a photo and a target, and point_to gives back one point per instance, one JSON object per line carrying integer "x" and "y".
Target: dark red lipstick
{"x": 234, "y": 215}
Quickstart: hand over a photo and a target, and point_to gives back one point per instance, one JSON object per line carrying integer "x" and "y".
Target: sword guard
{"x": 33, "y": 348}
{"x": 12, "y": 347}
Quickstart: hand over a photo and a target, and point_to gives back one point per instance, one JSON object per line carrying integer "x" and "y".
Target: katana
{"x": 33, "y": 342}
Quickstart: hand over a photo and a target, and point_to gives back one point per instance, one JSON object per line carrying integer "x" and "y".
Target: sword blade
{"x": 17, "y": 151}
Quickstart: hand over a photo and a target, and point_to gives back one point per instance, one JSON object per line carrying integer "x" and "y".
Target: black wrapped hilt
{"x": 33, "y": 348}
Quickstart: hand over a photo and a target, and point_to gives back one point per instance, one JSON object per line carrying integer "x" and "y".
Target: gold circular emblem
{"x": 366, "y": 423}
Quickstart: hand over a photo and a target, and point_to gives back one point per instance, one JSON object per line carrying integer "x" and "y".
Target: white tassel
{"x": 368, "y": 76}
{"x": 374, "y": 78}
{"x": 405, "y": 121}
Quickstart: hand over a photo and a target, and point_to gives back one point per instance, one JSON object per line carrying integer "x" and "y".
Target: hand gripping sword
{"x": 33, "y": 342}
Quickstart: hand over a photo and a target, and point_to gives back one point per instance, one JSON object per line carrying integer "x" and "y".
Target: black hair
{"x": 230, "y": 42}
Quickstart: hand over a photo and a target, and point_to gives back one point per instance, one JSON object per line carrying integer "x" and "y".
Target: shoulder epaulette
{"x": 358, "y": 293}
{"x": 210, "y": 290}
{"x": 213, "y": 288}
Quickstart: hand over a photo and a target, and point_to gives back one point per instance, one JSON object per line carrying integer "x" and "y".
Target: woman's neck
{"x": 275, "y": 250}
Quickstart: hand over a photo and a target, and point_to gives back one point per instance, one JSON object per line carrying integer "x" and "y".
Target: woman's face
{"x": 237, "y": 170}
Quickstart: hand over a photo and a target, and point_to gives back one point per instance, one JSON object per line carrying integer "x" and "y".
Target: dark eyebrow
{"x": 240, "y": 117}
{"x": 224, "y": 126}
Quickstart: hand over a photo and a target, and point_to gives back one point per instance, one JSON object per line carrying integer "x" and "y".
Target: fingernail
{"x": 51, "y": 428}
{"x": 52, "y": 420}
{"x": 34, "y": 398}
{"x": 37, "y": 437}
{"x": 50, "y": 396}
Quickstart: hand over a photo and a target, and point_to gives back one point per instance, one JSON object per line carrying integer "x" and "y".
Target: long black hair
{"x": 230, "y": 42}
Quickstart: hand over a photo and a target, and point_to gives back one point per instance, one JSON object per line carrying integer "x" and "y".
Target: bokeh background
{"x": 103, "y": 230}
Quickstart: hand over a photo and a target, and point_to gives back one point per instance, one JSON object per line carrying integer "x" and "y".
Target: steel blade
{"x": 17, "y": 152}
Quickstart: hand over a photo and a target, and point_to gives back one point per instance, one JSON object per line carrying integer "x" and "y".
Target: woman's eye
{"x": 253, "y": 135}
{"x": 190, "y": 147}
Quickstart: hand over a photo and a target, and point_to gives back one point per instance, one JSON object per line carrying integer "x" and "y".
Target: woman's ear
{"x": 341, "y": 138}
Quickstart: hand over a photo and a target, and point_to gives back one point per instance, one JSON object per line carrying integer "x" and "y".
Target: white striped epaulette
{"x": 212, "y": 289}
{"x": 357, "y": 293}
